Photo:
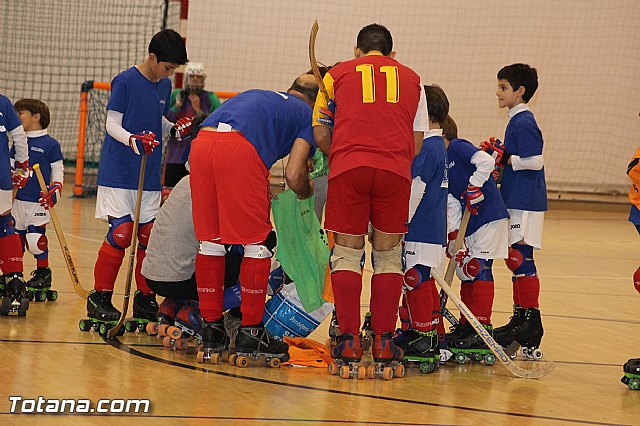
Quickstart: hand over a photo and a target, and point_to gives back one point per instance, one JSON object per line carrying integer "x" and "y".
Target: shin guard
{"x": 107, "y": 266}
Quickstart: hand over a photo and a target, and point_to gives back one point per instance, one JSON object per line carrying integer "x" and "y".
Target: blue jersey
{"x": 429, "y": 223}
{"x": 9, "y": 120}
{"x": 143, "y": 104}
{"x": 270, "y": 121}
{"x": 523, "y": 189}
{"x": 459, "y": 154}
{"x": 43, "y": 150}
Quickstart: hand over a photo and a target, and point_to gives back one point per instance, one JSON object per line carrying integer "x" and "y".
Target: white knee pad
{"x": 346, "y": 259}
{"x": 388, "y": 261}
{"x": 36, "y": 243}
{"x": 257, "y": 251}
{"x": 212, "y": 249}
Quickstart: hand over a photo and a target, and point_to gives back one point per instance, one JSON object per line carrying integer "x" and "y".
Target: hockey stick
{"x": 63, "y": 243}
{"x": 540, "y": 369}
{"x": 132, "y": 251}
{"x": 451, "y": 267}
{"x": 312, "y": 58}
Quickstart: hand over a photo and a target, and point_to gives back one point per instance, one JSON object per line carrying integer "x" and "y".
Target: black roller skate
{"x": 101, "y": 312}
{"x": 167, "y": 311}
{"x": 145, "y": 310}
{"x": 526, "y": 330}
{"x": 632, "y": 374}
{"x": 387, "y": 358}
{"x": 256, "y": 343}
{"x": 366, "y": 335}
{"x": 14, "y": 295}
{"x": 347, "y": 355}
{"x": 473, "y": 347}
{"x": 214, "y": 342}
{"x": 422, "y": 347}
{"x": 39, "y": 286}
{"x": 187, "y": 326}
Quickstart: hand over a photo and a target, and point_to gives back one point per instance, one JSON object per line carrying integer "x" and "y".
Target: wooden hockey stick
{"x": 63, "y": 243}
{"x": 451, "y": 267}
{"x": 132, "y": 252}
{"x": 315, "y": 69}
{"x": 539, "y": 369}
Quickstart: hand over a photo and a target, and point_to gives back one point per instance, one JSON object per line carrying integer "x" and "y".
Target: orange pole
{"x": 82, "y": 136}
{"x": 226, "y": 95}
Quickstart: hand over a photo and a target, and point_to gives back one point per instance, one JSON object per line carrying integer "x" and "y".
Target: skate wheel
{"x": 274, "y": 362}
{"x": 242, "y": 361}
{"x": 85, "y": 325}
{"x": 22, "y": 313}
{"x": 362, "y": 372}
{"x": 162, "y": 329}
{"x": 200, "y": 357}
{"x": 40, "y": 296}
{"x": 174, "y": 332}
{"x": 52, "y": 295}
{"x": 398, "y": 370}
{"x": 461, "y": 358}
{"x": 130, "y": 326}
{"x": 537, "y": 354}
{"x": 334, "y": 369}
{"x": 345, "y": 372}
{"x": 489, "y": 359}
{"x": 513, "y": 355}
{"x": 387, "y": 373}
{"x": 152, "y": 328}
{"x": 167, "y": 343}
{"x": 215, "y": 358}
{"x": 24, "y": 303}
{"x": 427, "y": 367}
{"x": 233, "y": 358}
{"x": 180, "y": 345}
{"x": 525, "y": 352}
{"x": 476, "y": 357}
{"x": 371, "y": 371}
{"x": 634, "y": 384}
{"x": 103, "y": 329}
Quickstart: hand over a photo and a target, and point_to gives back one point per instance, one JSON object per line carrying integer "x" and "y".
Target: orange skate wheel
{"x": 180, "y": 345}
{"x": 387, "y": 373}
{"x": 333, "y": 368}
{"x": 242, "y": 361}
{"x": 162, "y": 329}
{"x": 362, "y": 372}
{"x": 215, "y": 358}
{"x": 345, "y": 372}
{"x": 199, "y": 347}
{"x": 167, "y": 342}
{"x": 233, "y": 358}
{"x": 371, "y": 371}
{"x": 274, "y": 362}
{"x": 174, "y": 332}
{"x": 398, "y": 370}
{"x": 152, "y": 328}
{"x": 200, "y": 357}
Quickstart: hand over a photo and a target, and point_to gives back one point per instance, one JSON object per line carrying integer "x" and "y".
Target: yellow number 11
{"x": 369, "y": 83}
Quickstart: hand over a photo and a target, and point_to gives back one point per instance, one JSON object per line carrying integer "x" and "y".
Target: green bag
{"x": 303, "y": 250}
{"x": 320, "y": 165}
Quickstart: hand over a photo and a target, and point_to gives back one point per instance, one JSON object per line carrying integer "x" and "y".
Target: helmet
{"x": 194, "y": 69}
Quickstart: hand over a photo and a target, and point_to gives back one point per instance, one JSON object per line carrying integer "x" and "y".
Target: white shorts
{"x": 490, "y": 241}
{"x": 526, "y": 226}
{"x": 432, "y": 255}
{"x": 6, "y": 198}
{"x": 28, "y": 213}
{"x": 119, "y": 202}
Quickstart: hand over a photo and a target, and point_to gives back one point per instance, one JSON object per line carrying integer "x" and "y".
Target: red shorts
{"x": 365, "y": 194}
{"x": 229, "y": 189}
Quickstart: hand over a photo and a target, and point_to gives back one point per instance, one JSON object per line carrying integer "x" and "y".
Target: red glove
{"x": 495, "y": 148}
{"x": 473, "y": 197}
{"x": 48, "y": 200}
{"x": 143, "y": 143}
{"x": 451, "y": 240}
{"x": 182, "y": 129}
{"x": 21, "y": 174}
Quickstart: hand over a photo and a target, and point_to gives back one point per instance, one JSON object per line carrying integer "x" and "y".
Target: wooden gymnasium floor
{"x": 589, "y": 312}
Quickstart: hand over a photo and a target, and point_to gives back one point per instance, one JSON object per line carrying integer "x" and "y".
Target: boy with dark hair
{"x": 380, "y": 119}
{"x": 135, "y": 126}
{"x": 31, "y": 206}
{"x": 524, "y": 192}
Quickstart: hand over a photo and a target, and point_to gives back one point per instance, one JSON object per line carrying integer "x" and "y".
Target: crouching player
{"x": 471, "y": 187}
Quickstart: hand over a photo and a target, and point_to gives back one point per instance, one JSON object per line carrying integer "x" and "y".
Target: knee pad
{"x": 388, "y": 261}
{"x": 473, "y": 268}
{"x": 7, "y": 226}
{"x": 520, "y": 260}
{"x": 36, "y": 240}
{"x": 636, "y": 280}
{"x": 415, "y": 276}
{"x": 144, "y": 230}
{"x": 346, "y": 259}
{"x": 258, "y": 251}
{"x": 209, "y": 248}
{"x": 120, "y": 232}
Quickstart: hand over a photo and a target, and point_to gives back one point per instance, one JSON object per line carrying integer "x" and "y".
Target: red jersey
{"x": 379, "y": 104}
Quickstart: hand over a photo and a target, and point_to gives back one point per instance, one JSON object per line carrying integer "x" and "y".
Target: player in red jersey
{"x": 380, "y": 116}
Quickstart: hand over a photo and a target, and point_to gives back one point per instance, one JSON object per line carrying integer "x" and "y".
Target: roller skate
{"x": 473, "y": 347}
{"x": 186, "y": 327}
{"x": 387, "y": 358}
{"x": 101, "y": 313}
{"x": 214, "y": 342}
{"x": 366, "y": 335}
{"x": 347, "y": 355}
{"x": 14, "y": 295}
{"x": 421, "y": 347}
{"x": 334, "y": 331}
{"x": 632, "y": 374}
{"x": 145, "y": 310}
{"x": 256, "y": 343}
{"x": 39, "y": 286}
{"x": 526, "y": 330}
{"x": 167, "y": 311}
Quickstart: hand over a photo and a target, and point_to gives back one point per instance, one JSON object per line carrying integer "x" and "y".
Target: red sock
{"x": 254, "y": 278}
{"x": 483, "y": 292}
{"x": 529, "y": 291}
{"x": 107, "y": 266}
{"x": 347, "y": 287}
{"x": 420, "y": 301}
{"x": 210, "y": 281}
{"x": 42, "y": 263}
{"x": 141, "y": 281}
{"x": 466, "y": 295}
{"x": 385, "y": 296}
{"x": 11, "y": 254}
{"x": 516, "y": 296}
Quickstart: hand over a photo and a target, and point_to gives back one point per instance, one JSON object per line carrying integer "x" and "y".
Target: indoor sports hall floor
{"x": 590, "y": 313}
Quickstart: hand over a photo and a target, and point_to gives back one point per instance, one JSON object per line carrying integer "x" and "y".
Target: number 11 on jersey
{"x": 369, "y": 83}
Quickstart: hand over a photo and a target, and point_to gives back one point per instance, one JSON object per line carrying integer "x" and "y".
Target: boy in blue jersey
{"x": 11, "y": 178}
{"x": 524, "y": 192}
{"x": 230, "y": 161}
{"x": 135, "y": 126}
{"x": 472, "y": 187}
{"x": 424, "y": 244}
{"x": 31, "y": 206}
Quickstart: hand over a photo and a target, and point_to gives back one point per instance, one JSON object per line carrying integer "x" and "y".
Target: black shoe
{"x": 527, "y": 331}
{"x": 99, "y": 306}
{"x": 40, "y": 278}
{"x": 255, "y": 339}
{"x": 145, "y": 306}
{"x": 459, "y": 331}
{"x": 502, "y": 334}
{"x": 421, "y": 343}
{"x": 473, "y": 341}
{"x": 14, "y": 286}
{"x": 214, "y": 336}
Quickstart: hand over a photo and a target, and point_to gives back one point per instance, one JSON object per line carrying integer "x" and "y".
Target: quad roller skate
{"x": 334, "y": 331}
{"x": 39, "y": 286}
{"x": 14, "y": 295}
{"x": 366, "y": 335}
{"x": 101, "y": 313}
{"x": 387, "y": 358}
{"x": 167, "y": 312}
{"x": 186, "y": 327}
{"x": 473, "y": 347}
{"x": 255, "y": 343}
{"x": 526, "y": 329}
{"x": 145, "y": 310}
{"x": 632, "y": 374}
{"x": 214, "y": 342}
{"x": 347, "y": 357}
{"x": 421, "y": 347}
